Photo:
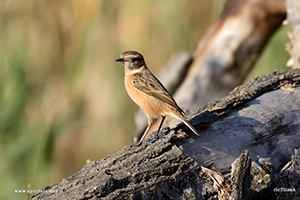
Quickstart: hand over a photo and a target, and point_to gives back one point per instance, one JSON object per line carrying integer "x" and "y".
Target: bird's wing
{"x": 150, "y": 85}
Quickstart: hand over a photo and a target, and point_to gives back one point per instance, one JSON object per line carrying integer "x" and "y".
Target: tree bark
{"x": 262, "y": 117}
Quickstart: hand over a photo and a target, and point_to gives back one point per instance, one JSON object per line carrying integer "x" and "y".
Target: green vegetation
{"x": 62, "y": 98}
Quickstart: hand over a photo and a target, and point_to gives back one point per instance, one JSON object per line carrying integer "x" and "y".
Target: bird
{"x": 148, "y": 92}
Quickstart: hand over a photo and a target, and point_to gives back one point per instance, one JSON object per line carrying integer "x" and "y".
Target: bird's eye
{"x": 136, "y": 59}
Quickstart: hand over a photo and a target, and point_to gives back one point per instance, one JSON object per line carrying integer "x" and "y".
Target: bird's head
{"x": 132, "y": 60}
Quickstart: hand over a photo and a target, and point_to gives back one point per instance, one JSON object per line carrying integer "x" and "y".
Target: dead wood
{"x": 240, "y": 177}
{"x": 262, "y": 117}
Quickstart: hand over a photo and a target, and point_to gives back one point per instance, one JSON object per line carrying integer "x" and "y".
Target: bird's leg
{"x": 147, "y": 129}
{"x": 145, "y": 133}
{"x": 161, "y": 123}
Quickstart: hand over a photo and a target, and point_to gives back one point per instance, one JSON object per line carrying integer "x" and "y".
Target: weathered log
{"x": 262, "y": 117}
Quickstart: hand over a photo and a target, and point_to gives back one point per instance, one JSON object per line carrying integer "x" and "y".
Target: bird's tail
{"x": 190, "y": 126}
{"x": 186, "y": 123}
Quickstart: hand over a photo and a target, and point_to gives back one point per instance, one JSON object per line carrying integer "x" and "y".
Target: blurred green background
{"x": 62, "y": 98}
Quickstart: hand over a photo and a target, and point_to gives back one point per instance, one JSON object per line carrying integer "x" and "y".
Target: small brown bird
{"x": 148, "y": 92}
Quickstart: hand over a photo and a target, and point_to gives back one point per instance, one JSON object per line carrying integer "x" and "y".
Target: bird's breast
{"x": 151, "y": 105}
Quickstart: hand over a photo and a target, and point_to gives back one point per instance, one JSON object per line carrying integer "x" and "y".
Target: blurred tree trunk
{"x": 293, "y": 17}
{"x": 229, "y": 49}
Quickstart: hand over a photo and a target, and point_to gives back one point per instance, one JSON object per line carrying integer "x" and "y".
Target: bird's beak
{"x": 120, "y": 60}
